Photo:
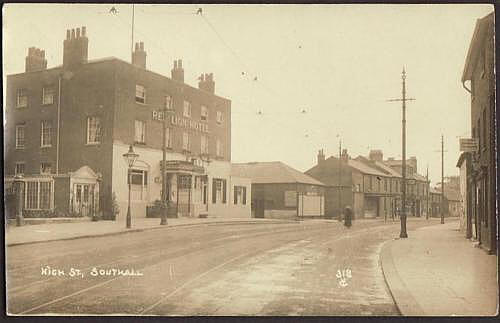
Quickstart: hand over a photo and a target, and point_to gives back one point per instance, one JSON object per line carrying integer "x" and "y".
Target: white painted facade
{"x": 144, "y": 195}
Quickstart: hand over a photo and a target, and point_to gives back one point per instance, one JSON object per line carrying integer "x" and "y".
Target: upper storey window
{"x": 22, "y": 98}
{"x": 140, "y": 94}
{"x": 48, "y": 95}
{"x": 187, "y": 109}
{"x": 220, "y": 117}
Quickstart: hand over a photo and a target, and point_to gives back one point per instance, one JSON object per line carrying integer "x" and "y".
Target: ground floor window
{"x": 38, "y": 195}
{"x": 240, "y": 195}
{"x": 219, "y": 190}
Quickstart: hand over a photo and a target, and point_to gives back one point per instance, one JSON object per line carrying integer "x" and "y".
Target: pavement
{"x": 46, "y": 232}
{"x": 436, "y": 271}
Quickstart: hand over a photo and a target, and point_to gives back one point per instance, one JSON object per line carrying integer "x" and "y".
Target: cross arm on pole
{"x": 396, "y": 100}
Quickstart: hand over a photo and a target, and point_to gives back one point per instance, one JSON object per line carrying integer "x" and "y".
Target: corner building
{"x": 69, "y": 126}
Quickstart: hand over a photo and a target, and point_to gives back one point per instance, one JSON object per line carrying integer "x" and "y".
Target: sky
{"x": 300, "y": 77}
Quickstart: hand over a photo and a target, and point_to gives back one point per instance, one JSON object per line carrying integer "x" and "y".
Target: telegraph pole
{"x": 340, "y": 179}
{"x": 428, "y": 186}
{"x": 442, "y": 180}
{"x": 132, "y": 45}
{"x": 403, "y": 233}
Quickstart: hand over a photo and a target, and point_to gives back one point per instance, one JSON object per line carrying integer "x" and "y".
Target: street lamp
{"x": 18, "y": 185}
{"x": 130, "y": 157}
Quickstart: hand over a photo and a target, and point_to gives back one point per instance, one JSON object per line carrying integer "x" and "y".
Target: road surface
{"x": 315, "y": 267}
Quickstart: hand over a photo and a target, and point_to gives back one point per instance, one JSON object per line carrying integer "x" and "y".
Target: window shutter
{"x": 235, "y": 195}
{"x": 214, "y": 191}
{"x": 244, "y": 195}
{"x": 224, "y": 191}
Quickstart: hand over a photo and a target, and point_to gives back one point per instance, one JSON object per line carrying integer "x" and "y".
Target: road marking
{"x": 191, "y": 281}
{"x": 68, "y": 296}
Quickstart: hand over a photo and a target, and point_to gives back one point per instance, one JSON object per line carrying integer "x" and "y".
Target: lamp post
{"x": 19, "y": 185}
{"x": 130, "y": 157}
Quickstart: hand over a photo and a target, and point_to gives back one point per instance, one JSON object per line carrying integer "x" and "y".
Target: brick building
{"x": 479, "y": 71}
{"x": 368, "y": 190}
{"x": 417, "y": 186}
{"x": 68, "y": 127}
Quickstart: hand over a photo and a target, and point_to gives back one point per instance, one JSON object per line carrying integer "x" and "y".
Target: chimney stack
{"x": 207, "y": 83}
{"x": 35, "y": 61}
{"x": 376, "y": 155}
{"x": 345, "y": 156}
{"x": 76, "y": 48}
{"x": 321, "y": 157}
{"x": 178, "y": 71}
{"x": 139, "y": 55}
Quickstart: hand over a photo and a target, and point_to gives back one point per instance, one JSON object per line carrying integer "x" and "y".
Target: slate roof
{"x": 272, "y": 173}
{"x": 363, "y": 168}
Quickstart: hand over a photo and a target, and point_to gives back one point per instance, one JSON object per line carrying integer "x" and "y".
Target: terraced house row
{"x": 370, "y": 185}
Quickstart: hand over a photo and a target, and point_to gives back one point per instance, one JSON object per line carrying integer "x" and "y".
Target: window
{"x": 186, "y": 145}
{"x": 168, "y": 137}
{"x": 45, "y": 168}
{"x": 204, "y": 145}
{"x": 204, "y": 113}
{"x": 22, "y": 98}
{"x": 20, "y": 136}
{"x": 38, "y": 195}
{"x": 93, "y": 130}
{"x": 385, "y": 184}
{"x": 218, "y": 190}
{"x": 168, "y": 102}
{"x": 138, "y": 177}
{"x": 46, "y": 134}
{"x": 371, "y": 183}
{"x": 48, "y": 95}
{"x": 484, "y": 128}
{"x": 220, "y": 117}
{"x": 140, "y": 132}
{"x": 186, "y": 109}
{"x": 20, "y": 168}
{"x": 140, "y": 94}
{"x": 240, "y": 195}
{"x": 479, "y": 133}
{"x": 184, "y": 182}
{"x": 218, "y": 149}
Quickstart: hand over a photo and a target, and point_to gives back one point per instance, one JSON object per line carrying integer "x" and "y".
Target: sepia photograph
{"x": 255, "y": 160}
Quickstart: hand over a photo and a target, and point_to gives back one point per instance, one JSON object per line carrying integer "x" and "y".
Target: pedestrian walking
{"x": 348, "y": 214}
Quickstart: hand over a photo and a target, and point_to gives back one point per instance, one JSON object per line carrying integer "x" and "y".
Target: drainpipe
{"x": 58, "y": 122}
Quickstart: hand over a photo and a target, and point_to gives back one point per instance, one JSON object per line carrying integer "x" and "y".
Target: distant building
{"x": 436, "y": 202}
{"x": 371, "y": 192}
{"x": 417, "y": 185}
{"x": 279, "y": 191}
{"x": 68, "y": 127}
{"x": 479, "y": 69}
